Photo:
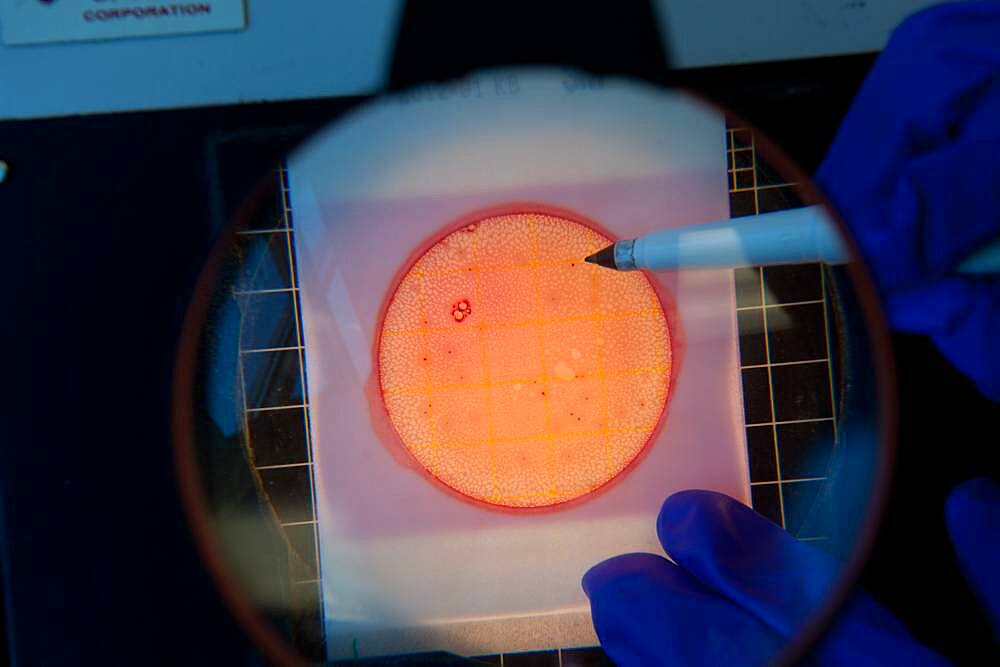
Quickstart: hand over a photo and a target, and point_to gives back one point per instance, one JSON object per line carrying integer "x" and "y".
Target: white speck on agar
{"x": 563, "y": 371}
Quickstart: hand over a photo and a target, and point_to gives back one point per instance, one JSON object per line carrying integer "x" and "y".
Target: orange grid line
{"x": 546, "y": 407}
{"x": 599, "y": 331}
{"x": 422, "y": 313}
{"x": 441, "y": 273}
{"x": 538, "y": 437}
{"x": 490, "y": 427}
{"x": 440, "y": 388}
{"x": 491, "y": 326}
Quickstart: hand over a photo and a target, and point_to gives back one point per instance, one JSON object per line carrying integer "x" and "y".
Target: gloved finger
{"x": 962, "y": 316}
{"x": 972, "y": 514}
{"x": 647, "y": 611}
{"x": 924, "y": 86}
{"x": 735, "y": 552}
{"x": 956, "y": 201}
{"x": 738, "y": 553}
{"x": 931, "y": 212}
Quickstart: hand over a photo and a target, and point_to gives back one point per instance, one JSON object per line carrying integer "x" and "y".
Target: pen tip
{"x": 604, "y": 257}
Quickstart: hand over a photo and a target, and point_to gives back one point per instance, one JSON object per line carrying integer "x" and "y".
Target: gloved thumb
{"x": 972, "y": 514}
{"x": 735, "y": 552}
{"x": 648, "y": 611}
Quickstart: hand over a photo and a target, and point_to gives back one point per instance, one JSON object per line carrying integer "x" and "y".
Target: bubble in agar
{"x": 516, "y": 374}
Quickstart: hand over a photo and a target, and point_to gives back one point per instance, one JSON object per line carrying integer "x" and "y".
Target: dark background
{"x": 107, "y": 221}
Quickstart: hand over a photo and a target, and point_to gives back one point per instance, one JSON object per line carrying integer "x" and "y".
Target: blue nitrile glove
{"x": 914, "y": 170}
{"x": 972, "y": 514}
{"x": 741, "y": 588}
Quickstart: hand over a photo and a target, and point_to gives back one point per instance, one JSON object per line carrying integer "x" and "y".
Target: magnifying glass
{"x": 482, "y": 414}
{"x": 409, "y": 414}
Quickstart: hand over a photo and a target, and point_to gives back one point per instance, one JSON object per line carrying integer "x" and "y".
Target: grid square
{"x": 789, "y": 283}
{"x": 516, "y": 412}
{"x": 634, "y": 405}
{"x": 750, "y": 325}
{"x": 263, "y": 262}
{"x": 742, "y": 204}
{"x": 579, "y": 462}
{"x": 743, "y": 158}
{"x": 618, "y": 343}
{"x": 289, "y": 492}
{"x": 416, "y": 423}
{"x": 524, "y": 471}
{"x": 624, "y": 448}
{"x": 269, "y": 213}
{"x": 272, "y": 379}
{"x": 454, "y": 356}
{"x": 278, "y": 436}
{"x": 617, "y": 292}
{"x": 303, "y": 542}
{"x": 807, "y": 508}
{"x": 558, "y": 239}
{"x": 747, "y": 286}
{"x": 404, "y": 311}
{"x": 801, "y": 391}
{"x": 796, "y": 333}
{"x": 768, "y": 175}
{"x": 760, "y": 452}
{"x": 460, "y": 415}
{"x": 779, "y": 199}
{"x": 742, "y": 138}
{"x": 766, "y": 501}
{"x": 574, "y": 406}
{"x": 507, "y": 295}
{"x": 744, "y": 179}
{"x": 512, "y": 353}
{"x": 501, "y": 241}
{"x": 442, "y": 291}
{"x": 407, "y": 365}
{"x": 467, "y": 467}
{"x": 454, "y": 250}
{"x": 567, "y": 292}
{"x": 756, "y": 396}
{"x": 268, "y": 320}
{"x": 805, "y": 448}
{"x": 570, "y": 349}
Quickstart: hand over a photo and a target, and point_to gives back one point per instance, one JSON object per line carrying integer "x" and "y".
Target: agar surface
{"x": 517, "y": 374}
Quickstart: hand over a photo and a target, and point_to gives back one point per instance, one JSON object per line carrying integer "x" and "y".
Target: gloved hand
{"x": 742, "y": 587}
{"x": 914, "y": 171}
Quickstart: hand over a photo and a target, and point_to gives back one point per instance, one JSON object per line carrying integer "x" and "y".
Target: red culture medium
{"x": 546, "y": 391}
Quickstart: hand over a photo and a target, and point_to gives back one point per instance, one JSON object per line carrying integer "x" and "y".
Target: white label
{"x": 42, "y": 21}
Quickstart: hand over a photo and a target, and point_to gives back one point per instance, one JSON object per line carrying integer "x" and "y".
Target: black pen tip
{"x": 604, "y": 257}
